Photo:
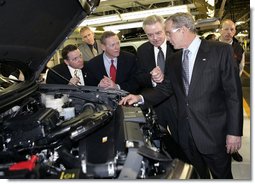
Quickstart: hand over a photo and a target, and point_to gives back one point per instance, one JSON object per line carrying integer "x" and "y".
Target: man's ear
{"x": 102, "y": 46}
{"x": 66, "y": 62}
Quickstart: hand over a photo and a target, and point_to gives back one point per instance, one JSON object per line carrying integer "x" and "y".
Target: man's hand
{"x": 157, "y": 75}
{"x": 74, "y": 81}
{"x": 130, "y": 100}
{"x": 233, "y": 143}
{"x": 107, "y": 83}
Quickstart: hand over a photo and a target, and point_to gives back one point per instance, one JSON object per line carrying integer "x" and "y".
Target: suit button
{"x": 187, "y": 104}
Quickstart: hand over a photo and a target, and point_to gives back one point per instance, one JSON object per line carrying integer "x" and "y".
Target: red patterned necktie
{"x": 113, "y": 71}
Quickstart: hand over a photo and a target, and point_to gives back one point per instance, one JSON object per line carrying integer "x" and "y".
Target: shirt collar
{"x": 106, "y": 58}
{"x": 195, "y": 44}
{"x": 163, "y": 46}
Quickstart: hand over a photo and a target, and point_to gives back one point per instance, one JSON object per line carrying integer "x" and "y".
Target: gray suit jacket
{"x": 213, "y": 107}
{"x": 86, "y": 52}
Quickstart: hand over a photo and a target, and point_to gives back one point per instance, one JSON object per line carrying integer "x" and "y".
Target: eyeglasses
{"x": 169, "y": 33}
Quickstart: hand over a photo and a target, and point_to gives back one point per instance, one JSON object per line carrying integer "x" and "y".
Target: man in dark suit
{"x": 227, "y": 33}
{"x": 71, "y": 72}
{"x": 90, "y": 46}
{"x": 113, "y": 68}
{"x": 204, "y": 77}
{"x": 148, "y": 59}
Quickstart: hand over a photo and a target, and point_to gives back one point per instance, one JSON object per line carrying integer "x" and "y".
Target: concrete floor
{"x": 242, "y": 170}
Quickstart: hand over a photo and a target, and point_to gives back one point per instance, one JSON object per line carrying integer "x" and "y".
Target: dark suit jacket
{"x": 125, "y": 76}
{"x": 146, "y": 62}
{"x": 213, "y": 107}
{"x": 62, "y": 69}
{"x": 167, "y": 110}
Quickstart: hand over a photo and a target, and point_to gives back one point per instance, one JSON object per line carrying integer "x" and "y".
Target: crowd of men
{"x": 193, "y": 84}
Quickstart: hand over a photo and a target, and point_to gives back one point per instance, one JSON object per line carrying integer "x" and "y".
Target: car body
{"x": 131, "y": 45}
{"x": 66, "y": 132}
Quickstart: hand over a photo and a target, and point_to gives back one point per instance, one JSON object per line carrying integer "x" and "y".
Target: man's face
{"x": 174, "y": 35}
{"x": 155, "y": 34}
{"x": 88, "y": 37}
{"x": 227, "y": 31}
{"x": 111, "y": 46}
{"x": 75, "y": 59}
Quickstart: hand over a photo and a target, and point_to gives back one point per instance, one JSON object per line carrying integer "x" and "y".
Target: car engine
{"x": 70, "y": 132}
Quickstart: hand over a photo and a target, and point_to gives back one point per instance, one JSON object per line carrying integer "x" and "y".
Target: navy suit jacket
{"x": 125, "y": 76}
{"x": 61, "y": 69}
{"x": 213, "y": 107}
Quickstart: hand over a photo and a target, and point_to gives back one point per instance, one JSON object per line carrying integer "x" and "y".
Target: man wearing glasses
{"x": 71, "y": 72}
{"x": 206, "y": 82}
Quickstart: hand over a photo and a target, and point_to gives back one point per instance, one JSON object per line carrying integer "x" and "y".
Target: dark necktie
{"x": 113, "y": 71}
{"x": 94, "y": 51}
{"x": 185, "y": 71}
{"x": 161, "y": 60}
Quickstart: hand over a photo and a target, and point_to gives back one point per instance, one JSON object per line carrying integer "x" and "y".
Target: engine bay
{"x": 68, "y": 132}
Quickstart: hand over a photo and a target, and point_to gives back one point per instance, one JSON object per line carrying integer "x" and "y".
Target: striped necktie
{"x": 185, "y": 71}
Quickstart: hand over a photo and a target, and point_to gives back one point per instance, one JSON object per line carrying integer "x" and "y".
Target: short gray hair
{"x": 105, "y": 35}
{"x": 183, "y": 19}
{"x": 153, "y": 19}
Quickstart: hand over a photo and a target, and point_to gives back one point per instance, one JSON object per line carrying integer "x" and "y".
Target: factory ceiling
{"x": 237, "y": 10}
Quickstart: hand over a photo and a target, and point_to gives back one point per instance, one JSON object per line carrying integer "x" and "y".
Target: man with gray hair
{"x": 90, "y": 47}
{"x": 152, "y": 56}
{"x": 207, "y": 86}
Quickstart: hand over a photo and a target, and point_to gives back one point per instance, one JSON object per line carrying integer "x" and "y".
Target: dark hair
{"x": 106, "y": 35}
{"x": 67, "y": 49}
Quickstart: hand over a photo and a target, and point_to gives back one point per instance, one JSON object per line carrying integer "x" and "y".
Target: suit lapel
{"x": 88, "y": 51}
{"x": 120, "y": 67}
{"x": 151, "y": 55}
{"x": 178, "y": 69}
{"x": 199, "y": 65}
{"x": 99, "y": 47}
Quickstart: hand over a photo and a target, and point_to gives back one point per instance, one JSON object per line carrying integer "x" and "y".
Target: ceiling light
{"x": 239, "y": 23}
{"x": 134, "y": 16}
{"x": 100, "y": 20}
{"x": 123, "y": 26}
{"x": 159, "y": 11}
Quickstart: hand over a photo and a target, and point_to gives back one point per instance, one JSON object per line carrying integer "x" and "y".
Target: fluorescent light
{"x": 100, "y": 20}
{"x": 159, "y": 11}
{"x": 239, "y": 23}
{"x": 123, "y": 26}
{"x": 134, "y": 16}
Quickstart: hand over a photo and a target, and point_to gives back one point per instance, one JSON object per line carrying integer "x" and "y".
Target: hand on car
{"x": 130, "y": 100}
{"x": 157, "y": 75}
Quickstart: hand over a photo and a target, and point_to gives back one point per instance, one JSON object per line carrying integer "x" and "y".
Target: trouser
{"x": 219, "y": 163}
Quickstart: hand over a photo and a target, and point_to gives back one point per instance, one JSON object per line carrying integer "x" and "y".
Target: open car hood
{"x": 32, "y": 30}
